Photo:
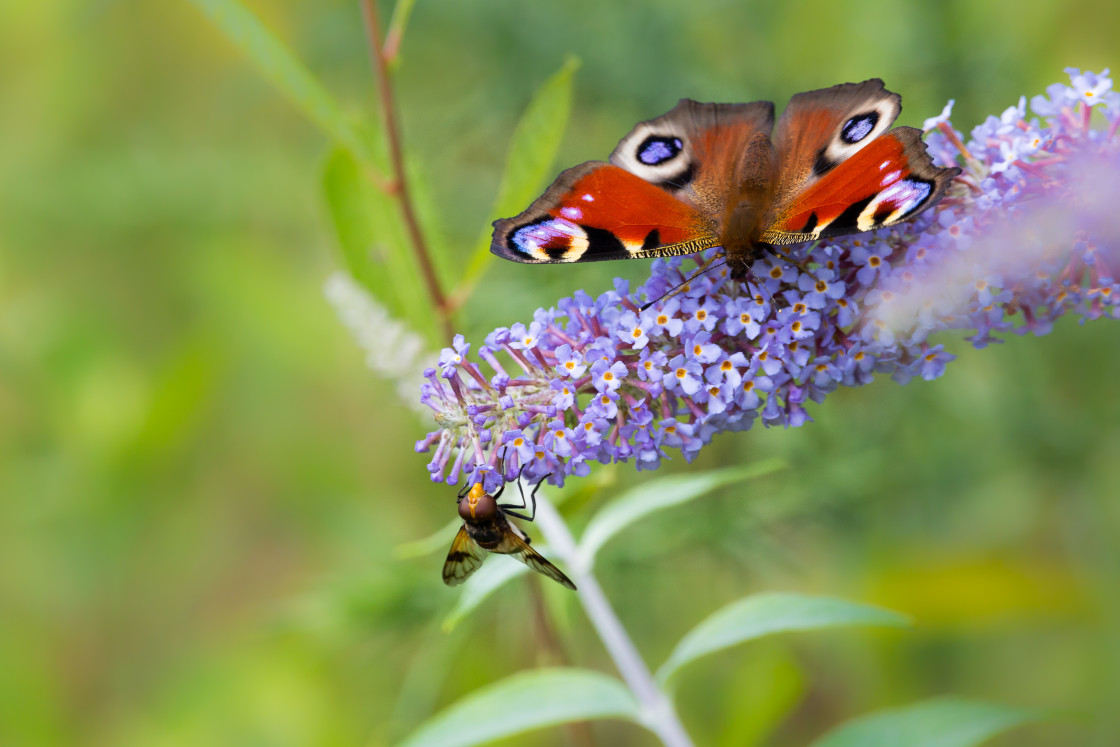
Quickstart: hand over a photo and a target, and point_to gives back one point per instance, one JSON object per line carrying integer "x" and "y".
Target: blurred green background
{"x": 201, "y": 486}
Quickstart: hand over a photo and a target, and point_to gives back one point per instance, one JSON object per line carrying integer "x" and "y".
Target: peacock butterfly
{"x": 706, "y": 175}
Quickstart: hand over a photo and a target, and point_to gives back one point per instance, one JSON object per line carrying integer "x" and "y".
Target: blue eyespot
{"x": 658, "y": 149}
{"x": 859, "y": 127}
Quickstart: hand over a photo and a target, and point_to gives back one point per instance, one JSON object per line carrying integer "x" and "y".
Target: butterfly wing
{"x": 664, "y": 193}
{"x": 464, "y": 558}
{"x": 598, "y": 211}
{"x": 843, "y": 170}
{"x": 514, "y": 545}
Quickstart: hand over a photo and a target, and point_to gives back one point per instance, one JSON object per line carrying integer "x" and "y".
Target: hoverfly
{"x": 485, "y": 527}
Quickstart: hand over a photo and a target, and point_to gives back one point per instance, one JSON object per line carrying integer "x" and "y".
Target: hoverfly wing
{"x": 513, "y": 545}
{"x": 464, "y": 558}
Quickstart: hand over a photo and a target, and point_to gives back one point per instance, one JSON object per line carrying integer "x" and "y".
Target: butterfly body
{"x": 705, "y": 175}
{"x": 485, "y": 527}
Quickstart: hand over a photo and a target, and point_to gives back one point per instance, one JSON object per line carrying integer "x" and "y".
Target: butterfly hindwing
{"x": 702, "y": 153}
{"x": 820, "y": 129}
{"x": 843, "y": 170}
{"x": 464, "y": 558}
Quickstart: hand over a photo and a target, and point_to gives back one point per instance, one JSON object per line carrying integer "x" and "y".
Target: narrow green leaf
{"x": 526, "y": 701}
{"x": 765, "y": 614}
{"x": 438, "y": 541}
{"x": 288, "y": 74}
{"x": 943, "y": 722}
{"x": 371, "y": 237}
{"x": 657, "y": 495}
{"x": 402, "y": 11}
{"x": 529, "y": 160}
{"x": 493, "y": 575}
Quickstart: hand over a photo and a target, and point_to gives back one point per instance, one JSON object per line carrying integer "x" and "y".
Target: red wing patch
{"x": 598, "y": 211}
{"x": 887, "y": 181}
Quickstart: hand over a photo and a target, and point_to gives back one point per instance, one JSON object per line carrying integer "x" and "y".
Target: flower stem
{"x": 659, "y": 715}
{"x": 400, "y": 180}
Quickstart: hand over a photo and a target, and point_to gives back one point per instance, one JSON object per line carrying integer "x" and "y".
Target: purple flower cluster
{"x": 1027, "y": 232}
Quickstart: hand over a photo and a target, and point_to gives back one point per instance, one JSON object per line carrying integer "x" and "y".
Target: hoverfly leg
{"x": 524, "y": 503}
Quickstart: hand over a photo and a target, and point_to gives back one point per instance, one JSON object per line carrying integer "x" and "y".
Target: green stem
{"x": 659, "y": 715}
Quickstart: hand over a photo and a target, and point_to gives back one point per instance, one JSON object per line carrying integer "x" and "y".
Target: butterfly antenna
{"x": 679, "y": 286}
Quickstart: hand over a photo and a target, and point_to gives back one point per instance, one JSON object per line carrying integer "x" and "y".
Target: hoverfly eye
{"x": 486, "y": 507}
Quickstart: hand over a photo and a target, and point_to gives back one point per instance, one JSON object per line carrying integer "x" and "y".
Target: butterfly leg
{"x": 684, "y": 283}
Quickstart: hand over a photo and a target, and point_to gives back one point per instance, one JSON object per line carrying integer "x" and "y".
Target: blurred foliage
{"x": 201, "y": 487}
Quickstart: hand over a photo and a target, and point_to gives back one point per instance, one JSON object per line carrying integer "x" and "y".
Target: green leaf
{"x": 944, "y": 722}
{"x": 437, "y": 541}
{"x": 529, "y": 160}
{"x": 371, "y": 237}
{"x": 526, "y": 701}
{"x": 402, "y": 11}
{"x": 656, "y": 495}
{"x": 765, "y": 614}
{"x": 288, "y": 74}
{"x": 493, "y": 575}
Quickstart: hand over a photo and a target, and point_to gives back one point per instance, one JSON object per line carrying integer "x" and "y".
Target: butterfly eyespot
{"x": 858, "y": 127}
{"x": 657, "y": 149}
{"x": 550, "y": 239}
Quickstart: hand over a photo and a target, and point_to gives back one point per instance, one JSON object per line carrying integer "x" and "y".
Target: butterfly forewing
{"x": 464, "y": 558}
{"x": 597, "y": 211}
{"x": 893, "y": 178}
